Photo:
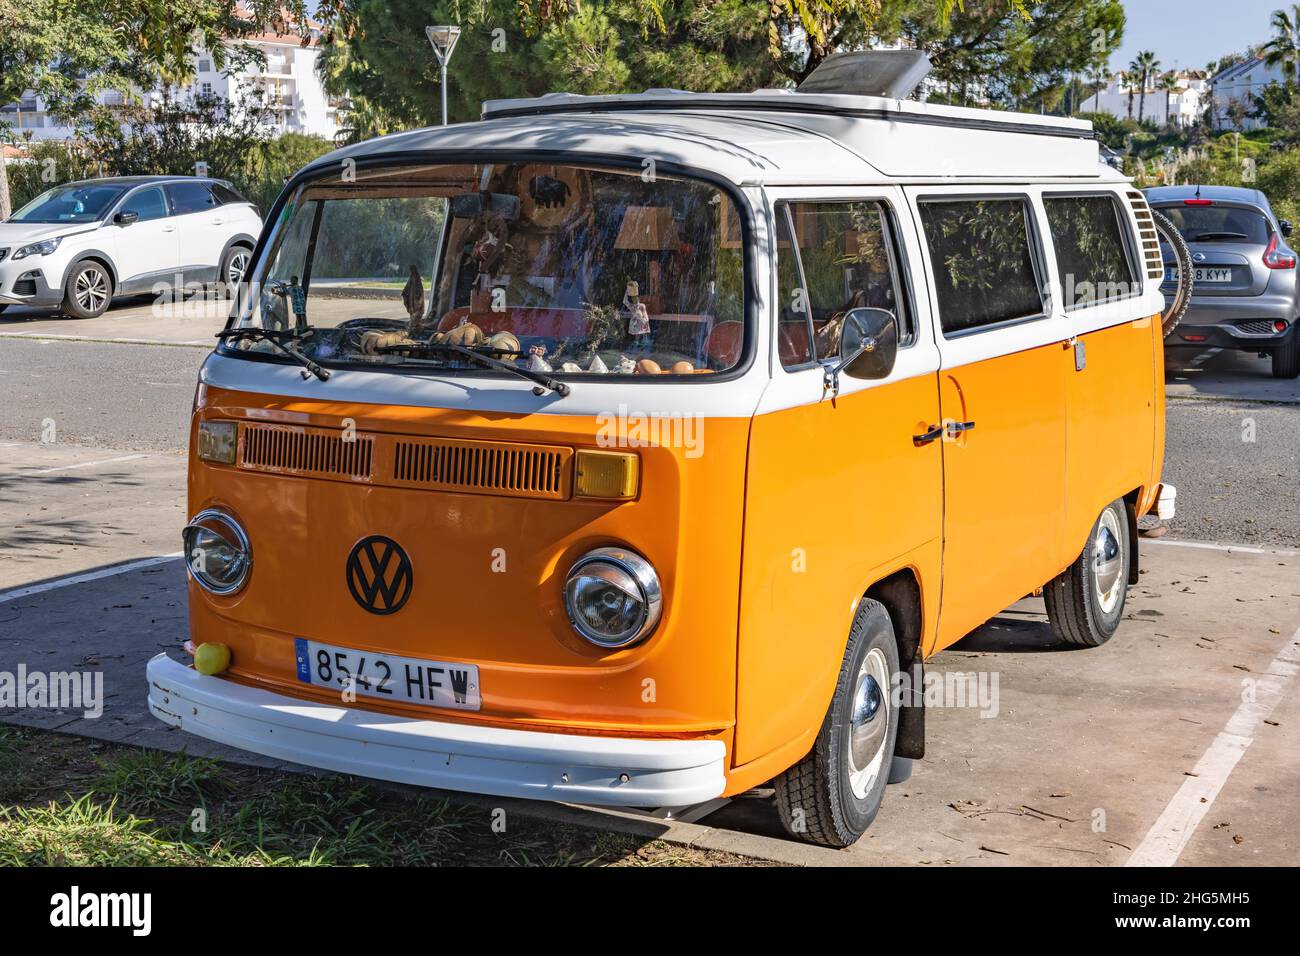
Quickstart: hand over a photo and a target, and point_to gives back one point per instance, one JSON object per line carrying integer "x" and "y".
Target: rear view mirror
{"x": 125, "y": 218}
{"x": 868, "y": 346}
{"x": 1286, "y": 227}
{"x": 474, "y": 205}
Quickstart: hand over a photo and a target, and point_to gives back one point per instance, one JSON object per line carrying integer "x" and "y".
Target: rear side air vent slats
{"x": 1147, "y": 235}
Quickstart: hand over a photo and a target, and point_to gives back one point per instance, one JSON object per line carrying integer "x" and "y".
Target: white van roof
{"x": 776, "y": 137}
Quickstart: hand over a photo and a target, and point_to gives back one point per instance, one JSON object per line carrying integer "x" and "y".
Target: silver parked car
{"x": 1245, "y": 292}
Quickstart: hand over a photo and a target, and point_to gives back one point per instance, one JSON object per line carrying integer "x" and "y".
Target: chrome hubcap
{"x": 91, "y": 289}
{"x": 1107, "y": 561}
{"x": 869, "y": 723}
{"x": 235, "y": 271}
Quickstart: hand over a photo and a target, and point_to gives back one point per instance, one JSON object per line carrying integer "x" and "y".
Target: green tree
{"x": 1019, "y": 57}
{"x": 378, "y": 56}
{"x": 68, "y": 52}
{"x": 1284, "y": 48}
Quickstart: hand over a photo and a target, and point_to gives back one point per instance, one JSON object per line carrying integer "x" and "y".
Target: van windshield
{"x": 577, "y": 270}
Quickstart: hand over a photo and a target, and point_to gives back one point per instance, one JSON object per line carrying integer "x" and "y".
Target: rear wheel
{"x": 88, "y": 290}
{"x": 1086, "y": 601}
{"x": 1286, "y": 357}
{"x": 832, "y": 795}
{"x": 233, "y": 266}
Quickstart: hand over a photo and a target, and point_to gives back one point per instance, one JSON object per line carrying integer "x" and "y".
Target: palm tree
{"x": 1284, "y": 48}
{"x": 1148, "y": 65}
{"x": 1134, "y": 69}
{"x": 1100, "y": 77}
{"x": 1169, "y": 84}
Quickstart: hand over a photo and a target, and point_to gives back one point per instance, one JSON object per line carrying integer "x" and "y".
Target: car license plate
{"x": 1203, "y": 275}
{"x": 411, "y": 680}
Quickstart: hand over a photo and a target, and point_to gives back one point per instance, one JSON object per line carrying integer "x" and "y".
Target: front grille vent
{"x": 1147, "y": 234}
{"x": 514, "y": 470}
{"x": 318, "y": 452}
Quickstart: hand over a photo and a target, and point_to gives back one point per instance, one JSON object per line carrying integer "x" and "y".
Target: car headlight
{"x": 38, "y": 248}
{"x": 613, "y": 597}
{"x": 217, "y": 553}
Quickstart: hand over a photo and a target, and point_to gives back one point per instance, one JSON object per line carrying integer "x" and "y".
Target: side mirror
{"x": 1286, "y": 227}
{"x": 125, "y": 218}
{"x": 868, "y": 346}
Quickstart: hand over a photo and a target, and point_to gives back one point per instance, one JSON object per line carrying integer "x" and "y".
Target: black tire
{"x": 1084, "y": 605}
{"x": 1183, "y": 257}
{"x": 1286, "y": 357}
{"x": 818, "y": 797}
{"x": 88, "y": 290}
{"x": 231, "y": 273}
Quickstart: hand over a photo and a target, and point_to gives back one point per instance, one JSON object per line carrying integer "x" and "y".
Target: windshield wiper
{"x": 543, "y": 381}
{"x": 276, "y": 337}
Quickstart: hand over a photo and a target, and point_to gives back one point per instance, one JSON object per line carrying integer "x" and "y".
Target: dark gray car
{"x": 1245, "y": 293}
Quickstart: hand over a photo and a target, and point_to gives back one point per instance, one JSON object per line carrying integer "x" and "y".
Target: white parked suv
{"x": 79, "y": 245}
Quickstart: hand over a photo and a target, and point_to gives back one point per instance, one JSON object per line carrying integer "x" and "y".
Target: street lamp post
{"x": 443, "y": 40}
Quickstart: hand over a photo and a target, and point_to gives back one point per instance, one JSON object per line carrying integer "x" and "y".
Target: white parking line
{"x": 84, "y": 464}
{"x": 1170, "y": 834}
{"x": 1211, "y": 546}
{"x": 16, "y": 593}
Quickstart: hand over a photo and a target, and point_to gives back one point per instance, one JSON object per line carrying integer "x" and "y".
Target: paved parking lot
{"x": 1174, "y": 742}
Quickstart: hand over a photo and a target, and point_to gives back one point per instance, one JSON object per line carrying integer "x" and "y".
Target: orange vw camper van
{"x": 626, "y": 450}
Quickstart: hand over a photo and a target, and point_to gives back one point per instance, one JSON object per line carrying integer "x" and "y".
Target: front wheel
{"x": 1286, "y": 357}
{"x": 831, "y": 796}
{"x": 88, "y": 291}
{"x": 1086, "y": 601}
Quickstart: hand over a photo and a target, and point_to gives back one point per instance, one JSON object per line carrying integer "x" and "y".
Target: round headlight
{"x": 612, "y": 597}
{"x": 216, "y": 552}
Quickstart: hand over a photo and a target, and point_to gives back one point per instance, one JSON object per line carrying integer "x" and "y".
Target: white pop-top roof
{"x": 775, "y": 137}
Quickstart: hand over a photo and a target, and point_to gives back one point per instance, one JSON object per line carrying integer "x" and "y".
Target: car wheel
{"x": 1086, "y": 601}
{"x": 233, "y": 266}
{"x": 1286, "y": 357}
{"x": 831, "y": 796}
{"x": 88, "y": 291}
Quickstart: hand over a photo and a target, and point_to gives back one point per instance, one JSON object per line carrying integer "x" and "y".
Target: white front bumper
{"x": 572, "y": 768}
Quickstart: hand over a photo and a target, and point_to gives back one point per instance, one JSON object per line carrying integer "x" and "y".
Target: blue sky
{"x": 1190, "y": 33}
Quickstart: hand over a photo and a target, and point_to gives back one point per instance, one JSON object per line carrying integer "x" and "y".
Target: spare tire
{"x": 1177, "y": 308}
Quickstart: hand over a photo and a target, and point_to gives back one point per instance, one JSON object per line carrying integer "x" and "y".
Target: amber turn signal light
{"x": 607, "y": 474}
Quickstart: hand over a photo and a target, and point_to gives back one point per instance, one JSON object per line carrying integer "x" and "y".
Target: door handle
{"x": 956, "y": 428}
{"x": 934, "y": 434}
{"x": 168, "y": 228}
{"x": 217, "y": 222}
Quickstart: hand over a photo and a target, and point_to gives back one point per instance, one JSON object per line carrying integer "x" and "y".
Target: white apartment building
{"x": 287, "y": 82}
{"x": 1182, "y": 106}
{"x": 1241, "y": 83}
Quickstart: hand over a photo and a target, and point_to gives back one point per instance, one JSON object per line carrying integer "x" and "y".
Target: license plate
{"x": 410, "y": 680}
{"x": 1203, "y": 275}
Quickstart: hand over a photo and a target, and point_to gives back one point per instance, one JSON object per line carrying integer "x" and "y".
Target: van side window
{"x": 1091, "y": 255}
{"x": 846, "y": 261}
{"x": 983, "y": 261}
{"x": 792, "y": 323}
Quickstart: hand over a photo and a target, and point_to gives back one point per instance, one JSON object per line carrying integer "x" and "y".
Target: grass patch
{"x": 78, "y": 802}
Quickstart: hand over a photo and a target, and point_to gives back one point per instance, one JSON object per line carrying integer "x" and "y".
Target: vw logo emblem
{"x": 379, "y": 574}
